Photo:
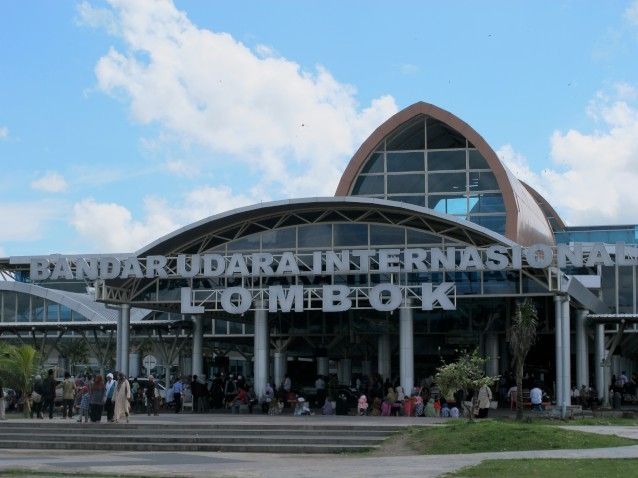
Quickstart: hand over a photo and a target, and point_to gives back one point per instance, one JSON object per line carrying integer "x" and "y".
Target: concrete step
{"x": 317, "y": 426}
{"x": 137, "y": 438}
{"x": 123, "y": 429}
{"x": 35, "y": 443}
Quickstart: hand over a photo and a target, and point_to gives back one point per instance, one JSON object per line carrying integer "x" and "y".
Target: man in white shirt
{"x": 536, "y": 397}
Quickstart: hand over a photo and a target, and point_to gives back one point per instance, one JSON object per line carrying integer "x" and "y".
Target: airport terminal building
{"x": 425, "y": 250}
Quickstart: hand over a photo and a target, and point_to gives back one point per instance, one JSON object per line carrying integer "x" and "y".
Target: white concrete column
{"x": 260, "y": 349}
{"x": 198, "y": 344}
{"x": 366, "y": 368}
{"x": 345, "y": 365}
{"x": 126, "y": 323}
{"x": 134, "y": 364}
{"x": 599, "y": 356}
{"x": 491, "y": 350}
{"x": 558, "y": 332}
{"x": 567, "y": 370}
{"x": 406, "y": 348}
{"x": 279, "y": 368}
{"x": 323, "y": 366}
{"x": 118, "y": 341}
{"x": 384, "y": 361}
{"x": 582, "y": 349}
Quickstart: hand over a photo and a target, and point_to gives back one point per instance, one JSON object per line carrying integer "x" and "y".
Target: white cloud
{"x": 181, "y": 168}
{"x": 90, "y": 16}
{"x": 409, "y": 69}
{"x": 595, "y": 174}
{"x": 51, "y": 182}
{"x": 25, "y": 221}
{"x": 631, "y": 13}
{"x": 110, "y": 227}
{"x": 288, "y": 125}
{"x": 4, "y": 132}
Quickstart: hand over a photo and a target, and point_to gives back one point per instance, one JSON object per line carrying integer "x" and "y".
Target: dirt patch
{"x": 396, "y": 445}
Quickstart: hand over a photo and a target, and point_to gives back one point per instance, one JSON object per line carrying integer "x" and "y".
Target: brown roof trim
{"x": 421, "y": 108}
{"x": 543, "y": 204}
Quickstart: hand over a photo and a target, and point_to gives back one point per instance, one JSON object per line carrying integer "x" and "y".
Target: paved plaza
{"x": 383, "y": 463}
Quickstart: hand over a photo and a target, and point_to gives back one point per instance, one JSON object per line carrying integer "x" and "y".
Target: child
{"x": 363, "y": 405}
{"x": 84, "y": 404}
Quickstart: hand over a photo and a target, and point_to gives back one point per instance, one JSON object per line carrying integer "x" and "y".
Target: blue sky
{"x": 120, "y": 121}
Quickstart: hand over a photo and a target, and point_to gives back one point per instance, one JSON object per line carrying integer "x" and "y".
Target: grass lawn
{"x": 615, "y": 421}
{"x": 550, "y": 468}
{"x": 493, "y": 435}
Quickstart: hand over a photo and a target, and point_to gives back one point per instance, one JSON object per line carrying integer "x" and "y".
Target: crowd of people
{"x": 86, "y": 397}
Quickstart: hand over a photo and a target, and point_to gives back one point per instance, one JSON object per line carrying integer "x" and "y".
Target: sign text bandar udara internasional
{"x": 342, "y": 262}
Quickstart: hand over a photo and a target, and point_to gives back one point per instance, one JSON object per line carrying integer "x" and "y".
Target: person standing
{"x": 320, "y": 387}
{"x": 36, "y": 397}
{"x": 109, "y": 405}
{"x": 68, "y": 395}
{"x": 178, "y": 389}
{"x": 2, "y": 402}
{"x": 152, "y": 400}
{"x": 196, "y": 392}
{"x": 122, "y": 398}
{"x": 48, "y": 396}
{"x": 484, "y": 399}
{"x": 97, "y": 395}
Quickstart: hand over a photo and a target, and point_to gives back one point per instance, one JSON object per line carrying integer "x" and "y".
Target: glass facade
{"x": 21, "y": 307}
{"x": 606, "y": 234}
{"x": 426, "y": 163}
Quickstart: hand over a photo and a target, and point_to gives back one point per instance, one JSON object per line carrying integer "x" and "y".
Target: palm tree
{"x": 18, "y": 365}
{"x": 522, "y": 337}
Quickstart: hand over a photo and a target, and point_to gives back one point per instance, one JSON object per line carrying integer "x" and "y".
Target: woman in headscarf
{"x": 97, "y": 395}
{"x": 122, "y": 398}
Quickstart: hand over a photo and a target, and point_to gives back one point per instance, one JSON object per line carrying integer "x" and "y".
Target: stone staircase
{"x": 224, "y": 437}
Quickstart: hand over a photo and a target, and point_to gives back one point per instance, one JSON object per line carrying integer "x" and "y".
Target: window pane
{"x": 374, "y": 164}
{"x": 456, "y": 204}
{"x": 494, "y": 223}
{"x": 441, "y": 136}
{"x": 236, "y": 328}
{"x": 500, "y": 282}
{"x": 384, "y": 235}
{"x": 446, "y": 182}
{"x": 625, "y": 290}
{"x": 477, "y": 161}
{"x": 416, "y": 200}
{"x": 411, "y": 137}
{"x": 351, "y": 235}
{"x": 399, "y": 162}
{"x": 279, "y": 239}
{"x": 23, "y": 308}
{"x": 247, "y": 243}
{"x": 442, "y": 160}
{"x": 368, "y": 185}
{"x": 406, "y": 183}
{"x": 487, "y": 202}
{"x": 484, "y": 181}
{"x": 422, "y": 238}
{"x": 221, "y": 327}
{"x": 317, "y": 235}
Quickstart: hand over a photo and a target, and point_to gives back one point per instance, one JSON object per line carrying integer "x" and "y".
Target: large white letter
{"x": 187, "y": 306}
{"x": 287, "y": 265}
{"x": 496, "y": 258}
{"x": 285, "y": 298}
{"x": 220, "y": 265}
{"x": 539, "y": 256}
{"x": 389, "y": 260}
{"x": 262, "y": 263}
{"x": 599, "y": 256}
{"x": 364, "y": 259}
{"x": 110, "y": 268}
{"x": 565, "y": 253}
{"x": 471, "y": 259}
{"x": 342, "y": 263}
{"x": 439, "y": 261}
{"x": 39, "y": 269}
{"x": 335, "y": 298}
{"x": 244, "y": 300}
{"x": 237, "y": 265}
{"x": 414, "y": 260}
{"x": 376, "y": 297}
{"x": 62, "y": 269}
{"x": 193, "y": 270}
{"x": 429, "y": 297}
{"x": 131, "y": 268}
{"x": 155, "y": 267}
